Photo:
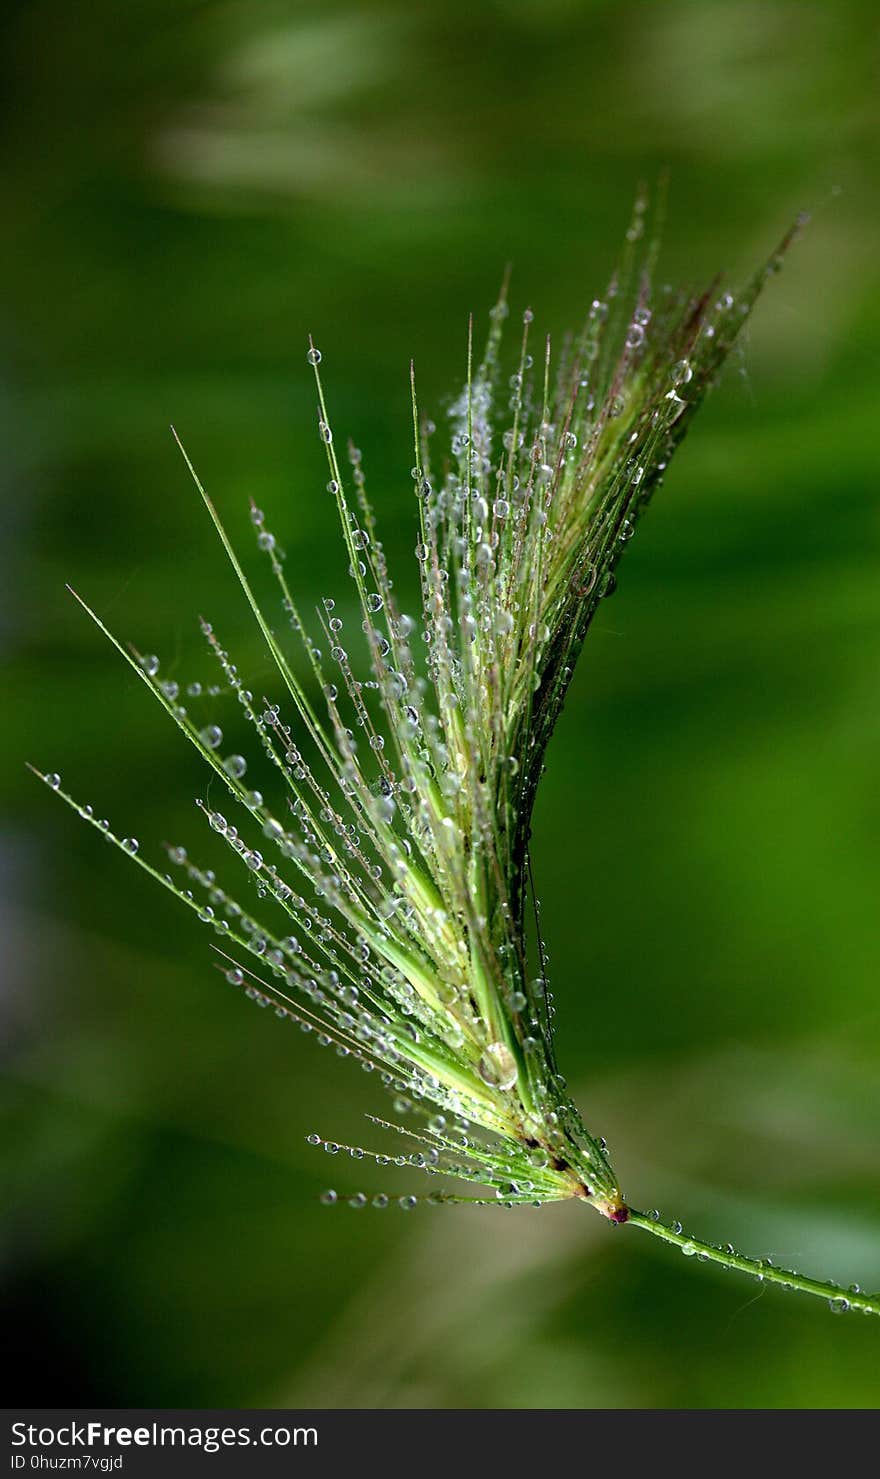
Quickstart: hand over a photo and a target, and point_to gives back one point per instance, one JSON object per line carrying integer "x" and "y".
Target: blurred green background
{"x": 190, "y": 189}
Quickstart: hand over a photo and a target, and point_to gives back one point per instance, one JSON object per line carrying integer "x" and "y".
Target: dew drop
{"x": 497, "y": 1066}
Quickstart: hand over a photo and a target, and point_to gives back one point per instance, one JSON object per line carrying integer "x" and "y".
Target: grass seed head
{"x": 388, "y": 913}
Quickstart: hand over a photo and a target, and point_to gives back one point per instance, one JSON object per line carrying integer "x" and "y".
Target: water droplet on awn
{"x": 497, "y": 1066}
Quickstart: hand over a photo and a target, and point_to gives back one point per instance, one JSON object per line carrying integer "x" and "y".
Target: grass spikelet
{"x": 392, "y": 917}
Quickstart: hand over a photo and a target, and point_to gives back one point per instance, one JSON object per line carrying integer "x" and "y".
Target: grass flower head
{"x": 388, "y": 908}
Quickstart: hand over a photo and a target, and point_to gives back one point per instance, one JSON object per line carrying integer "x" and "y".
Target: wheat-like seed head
{"x": 390, "y": 866}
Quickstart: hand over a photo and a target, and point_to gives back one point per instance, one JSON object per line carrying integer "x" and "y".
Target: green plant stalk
{"x": 761, "y": 1269}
